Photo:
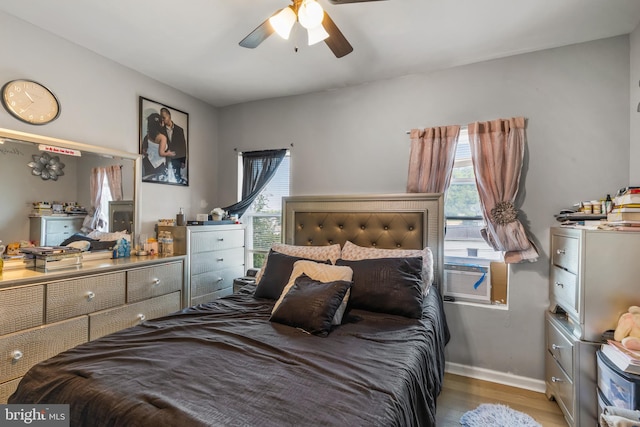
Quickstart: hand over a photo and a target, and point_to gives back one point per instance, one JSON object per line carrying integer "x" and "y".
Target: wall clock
{"x": 30, "y": 102}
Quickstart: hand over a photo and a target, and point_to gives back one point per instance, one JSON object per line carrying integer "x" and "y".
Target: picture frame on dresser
{"x": 164, "y": 143}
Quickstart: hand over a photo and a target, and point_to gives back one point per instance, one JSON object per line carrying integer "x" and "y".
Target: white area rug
{"x": 495, "y": 415}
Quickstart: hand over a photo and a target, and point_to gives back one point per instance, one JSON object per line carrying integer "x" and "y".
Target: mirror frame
{"x": 137, "y": 160}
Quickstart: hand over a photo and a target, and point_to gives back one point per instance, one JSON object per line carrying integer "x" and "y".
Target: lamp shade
{"x": 283, "y": 21}
{"x": 310, "y": 14}
{"x": 316, "y": 34}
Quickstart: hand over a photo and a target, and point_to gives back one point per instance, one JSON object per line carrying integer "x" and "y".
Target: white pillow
{"x": 317, "y": 253}
{"x": 83, "y": 245}
{"x": 353, "y": 252}
{"x": 322, "y": 273}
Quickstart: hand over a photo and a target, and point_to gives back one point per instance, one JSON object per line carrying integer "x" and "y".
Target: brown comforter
{"x": 224, "y": 364}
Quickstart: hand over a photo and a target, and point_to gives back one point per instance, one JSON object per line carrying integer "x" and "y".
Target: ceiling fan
{"x": 311, "y": 16}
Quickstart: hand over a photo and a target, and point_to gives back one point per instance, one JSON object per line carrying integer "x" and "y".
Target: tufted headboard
{"x": 388, "y": 221}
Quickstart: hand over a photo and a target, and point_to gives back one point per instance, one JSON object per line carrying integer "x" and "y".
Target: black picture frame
{"x": 165, "y": 154}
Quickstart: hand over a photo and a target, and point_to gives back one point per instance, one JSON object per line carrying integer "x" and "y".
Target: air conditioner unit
{"x": 467, "y": 282}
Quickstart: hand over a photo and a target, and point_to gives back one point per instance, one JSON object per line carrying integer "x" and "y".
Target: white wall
{"x": 353, "y": 140}
{"x": 99, "y": 101}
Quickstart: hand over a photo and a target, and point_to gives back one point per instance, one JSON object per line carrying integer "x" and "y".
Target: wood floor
{"x": 461, "y": 394}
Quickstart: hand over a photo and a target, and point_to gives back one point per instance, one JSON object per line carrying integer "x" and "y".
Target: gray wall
{"x": 353, "y": 140}
{"x": 634, "y": 100}
{"x": 99, "y": 101}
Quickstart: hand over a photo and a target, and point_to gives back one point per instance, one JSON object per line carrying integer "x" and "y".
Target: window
{"x": 467, "y": 256}
{"x": 263, "y": 219}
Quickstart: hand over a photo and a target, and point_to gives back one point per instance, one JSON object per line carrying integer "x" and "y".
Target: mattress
{"x": 225, "y": 364}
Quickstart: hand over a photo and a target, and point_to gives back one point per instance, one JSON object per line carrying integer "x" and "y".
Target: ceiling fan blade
{"x": 349, "y": 1}
{"x": 336, "y": 40}
{"x": 258, "y": 35}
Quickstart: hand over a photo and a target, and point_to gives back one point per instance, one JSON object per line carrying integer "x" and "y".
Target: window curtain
{"x": 258, "y": 168}
{"x": 497, "y": 153}
{"x": 96, "y": 219}
{"x": 433, "y": 152}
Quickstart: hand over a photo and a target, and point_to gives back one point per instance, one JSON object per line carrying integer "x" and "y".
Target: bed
{"x": 241, "y": 360}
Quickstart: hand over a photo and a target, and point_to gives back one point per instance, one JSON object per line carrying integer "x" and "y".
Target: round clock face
{"x": 30, "y": 102}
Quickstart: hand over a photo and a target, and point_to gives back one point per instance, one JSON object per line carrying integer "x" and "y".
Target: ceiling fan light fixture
{"x": 282, "y": 22}
{"x": 317, "y": 34}
{"x": 310, "y": 14}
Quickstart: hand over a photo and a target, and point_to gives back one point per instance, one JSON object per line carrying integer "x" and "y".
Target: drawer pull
{"x": 560, "y": 284}
{"x": 556, "y": 380}
{"x": 555, "y": 347}
{"x": 220, "y": 239}
{"x": 16, "y": 355}
{"x": 90, "y": 296}
{"x": 220, "y": 259}
{"x": 560, "y": 251}
{"x": 141, "y": 317}
{"x": 156, "y": 282}
{"x": 220, "y": 279}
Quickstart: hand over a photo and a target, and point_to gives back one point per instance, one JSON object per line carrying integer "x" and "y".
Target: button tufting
{"x": 410, "y": 228}
{"x": 386, "y": 227}
{"x": 362, "y": 227}
{"x": 341, "y": 226}
{"x": 320, "y": 226}
{"x": 301, "y": 225}
{"x": 373, "y": 244}
{"x": 310, "y": 241}
{"x": 398, "y": 245}
{"x": 331, "y": 242}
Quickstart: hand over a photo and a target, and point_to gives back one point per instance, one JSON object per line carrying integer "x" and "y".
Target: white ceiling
{"x": 192, "y": 45}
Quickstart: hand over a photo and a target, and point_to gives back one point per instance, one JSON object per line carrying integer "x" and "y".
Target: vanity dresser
{"x": 594, "y": 277}
{"x": 45, "y": 313}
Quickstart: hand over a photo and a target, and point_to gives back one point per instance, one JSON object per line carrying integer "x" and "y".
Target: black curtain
{"x": 258, "y": 169}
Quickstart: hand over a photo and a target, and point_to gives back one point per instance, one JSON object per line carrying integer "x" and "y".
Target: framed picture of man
{"x": 164, "y": 143}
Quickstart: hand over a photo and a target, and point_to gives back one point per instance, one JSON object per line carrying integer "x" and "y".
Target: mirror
{"x": 24, "y": 184}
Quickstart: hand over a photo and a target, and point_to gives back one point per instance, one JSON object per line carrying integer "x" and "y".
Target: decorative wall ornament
{"x": 46, "y": 166}
{"x": 504, "y": 213}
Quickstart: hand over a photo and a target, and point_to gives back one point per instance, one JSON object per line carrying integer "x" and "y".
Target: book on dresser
{"x": 625, "y": 359}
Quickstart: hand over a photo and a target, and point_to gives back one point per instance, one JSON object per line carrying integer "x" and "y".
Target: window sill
{"x": 503, "y": 307}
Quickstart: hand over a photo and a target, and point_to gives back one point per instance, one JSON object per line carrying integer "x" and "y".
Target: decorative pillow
{"x": 387, "y": 285}
{"x": 311, "y": 305}
{"x": 322, "y": 273}
{"x": 94, "y": 245}
{"x": 315, "y": 253}
{"x": 276, "y": 275}
{"x": 353, "y": 252}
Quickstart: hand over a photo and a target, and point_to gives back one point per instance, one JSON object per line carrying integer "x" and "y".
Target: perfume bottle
{"x": 180, "y": 217}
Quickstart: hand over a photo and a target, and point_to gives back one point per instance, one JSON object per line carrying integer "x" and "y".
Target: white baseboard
{"x": 495, "y": 377}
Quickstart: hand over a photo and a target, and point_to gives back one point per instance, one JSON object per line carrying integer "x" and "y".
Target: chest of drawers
{"x": 41, "y": 319}
{"x": 53, "y": 230}
{"x": 215, "y": 257}
{"x": 593, "y": 279}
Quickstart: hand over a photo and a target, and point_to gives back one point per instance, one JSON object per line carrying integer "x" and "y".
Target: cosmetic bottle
{"x": 180, "y": 217}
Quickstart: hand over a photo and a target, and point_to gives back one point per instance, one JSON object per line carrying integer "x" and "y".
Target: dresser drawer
{"x": 7, "y": 389}
{"x": 564, "y": 286}
{"x": 560, "y": 385}
{"x": 565, "y": 252}
{"x": 560, "y": 347}
{"x": 205, "y": 262}
{"x": 21, "y": 350}
{"x": 68, "y": 226}
{"x": 206, "y": 283}
{"x": 154, "y": 281}
{"x": 72, "y": 298}
{"x": 21, "y": 308}
{"x": 206, "y": 241}
{"x": 620, "y": 389}
{"x": 212, "y": 296}
{"x": 109, "y": 321}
